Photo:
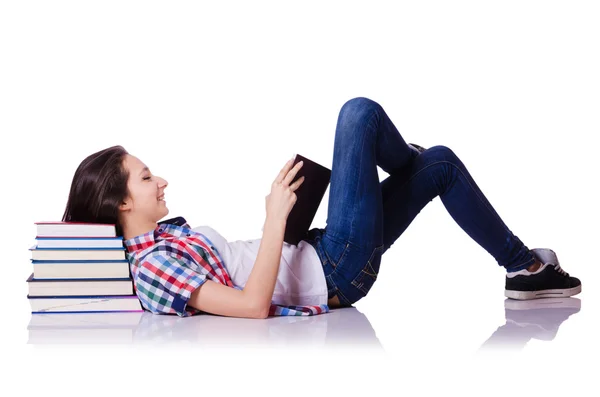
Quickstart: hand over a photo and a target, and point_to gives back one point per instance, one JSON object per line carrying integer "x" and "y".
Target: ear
{"x": 125, "y": 205}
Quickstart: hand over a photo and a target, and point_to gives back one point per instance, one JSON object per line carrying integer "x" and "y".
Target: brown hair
{"x": 99, "y": 186}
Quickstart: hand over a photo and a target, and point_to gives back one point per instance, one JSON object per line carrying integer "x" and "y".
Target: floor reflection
{"x": 531, "y": 319}
{"x": 339, "y": 327}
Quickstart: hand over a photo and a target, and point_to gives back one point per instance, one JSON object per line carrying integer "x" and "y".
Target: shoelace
{"x": 560, "y": 270}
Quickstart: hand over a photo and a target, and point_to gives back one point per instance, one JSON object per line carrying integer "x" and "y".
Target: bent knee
{"x": 359, "y": 104}
{"x": 355, "y": 111}
{"x": 440, "y": 151}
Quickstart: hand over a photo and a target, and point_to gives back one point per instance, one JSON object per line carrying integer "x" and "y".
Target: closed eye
{"x": 148, "y": 177}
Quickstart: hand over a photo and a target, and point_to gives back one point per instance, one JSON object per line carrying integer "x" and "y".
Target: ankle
{"x": 535, "y": 266}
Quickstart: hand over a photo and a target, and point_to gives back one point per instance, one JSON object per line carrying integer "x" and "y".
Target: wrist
{"x": 275, "y": 222}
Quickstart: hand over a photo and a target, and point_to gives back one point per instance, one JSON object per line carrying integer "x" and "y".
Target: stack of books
{"x": 80, "y": 268}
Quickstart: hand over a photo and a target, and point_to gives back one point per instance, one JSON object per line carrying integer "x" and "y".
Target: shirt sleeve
{"x": 164, "y": 284}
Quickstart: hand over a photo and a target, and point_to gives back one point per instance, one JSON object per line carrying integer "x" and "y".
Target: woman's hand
{"x": 282, "y": 198}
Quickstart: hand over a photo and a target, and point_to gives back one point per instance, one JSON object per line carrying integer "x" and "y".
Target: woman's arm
{"x": 254, "y": 300}
{"x": 258, "y": 292}
{"x": 222, "y": 300}
{"x": 262, "y": 279}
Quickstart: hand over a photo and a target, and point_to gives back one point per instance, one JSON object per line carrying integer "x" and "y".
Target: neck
{"x": 133, "y": 229}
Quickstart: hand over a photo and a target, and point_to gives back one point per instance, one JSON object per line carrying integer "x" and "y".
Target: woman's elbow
{"x": 262, "y": 314}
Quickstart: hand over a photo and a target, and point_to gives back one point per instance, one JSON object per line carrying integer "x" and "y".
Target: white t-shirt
{"x": 300, "y": 280}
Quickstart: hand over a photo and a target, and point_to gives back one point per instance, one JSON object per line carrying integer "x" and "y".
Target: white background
{"x": 215, "y": 97}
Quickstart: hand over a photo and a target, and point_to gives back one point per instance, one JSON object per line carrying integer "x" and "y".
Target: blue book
{"x": 77, "y": 253}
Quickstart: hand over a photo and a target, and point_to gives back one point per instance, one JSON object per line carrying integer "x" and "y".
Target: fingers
{"x": 286, "y": 175}
{"x": 284, "y": 170}
{"x": 297, "y": 184}
{"x": 292, "y": 173}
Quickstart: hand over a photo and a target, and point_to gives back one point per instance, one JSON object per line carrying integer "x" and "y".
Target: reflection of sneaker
{"x": 531, "y": 319}
{"x": 541, "y": 317}
{"x": 550, "y": 280}
{"x": 420, "y": 149}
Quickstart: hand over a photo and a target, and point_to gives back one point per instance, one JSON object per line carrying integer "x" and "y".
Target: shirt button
{"x": 188, "y": 235}
{"x": 160, "y": 230}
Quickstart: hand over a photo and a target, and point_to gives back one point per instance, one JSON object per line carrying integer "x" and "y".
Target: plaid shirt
{"x": 168, "y": 263}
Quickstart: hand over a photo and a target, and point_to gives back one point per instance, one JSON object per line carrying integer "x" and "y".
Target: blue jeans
{"x": 365, "y": 217}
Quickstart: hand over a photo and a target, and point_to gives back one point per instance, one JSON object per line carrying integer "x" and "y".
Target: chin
{"x": 164, "y": 213}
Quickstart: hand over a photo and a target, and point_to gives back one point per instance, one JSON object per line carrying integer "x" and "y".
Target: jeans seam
{"x": 360, "y": 275}
{"x": 345, "y": 301}
{"x": 333, "y": 263}
{"x": 340, "y": 240}
{"x": 341, "y": 256}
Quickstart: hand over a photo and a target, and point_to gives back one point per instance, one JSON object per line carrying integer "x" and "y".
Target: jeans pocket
{"x": 367, "y": 276}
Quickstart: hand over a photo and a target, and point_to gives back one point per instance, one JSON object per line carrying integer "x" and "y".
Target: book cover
{"x": 308, "y": 198}
{"x": 75, "y": 229}
{"x": 79, "y": 242}
{"x": 84, "y": 304}
{"x": 86, "y": 286}
{"x": 65, "y": 269}
{"x": 77, "y": 253}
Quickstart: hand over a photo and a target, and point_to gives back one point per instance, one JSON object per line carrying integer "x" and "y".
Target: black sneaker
{"x": 419, "y": 149}
{"x": 550, "y": 280}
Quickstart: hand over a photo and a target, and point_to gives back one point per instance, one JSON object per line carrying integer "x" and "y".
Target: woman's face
{"x": 144, "y": 189}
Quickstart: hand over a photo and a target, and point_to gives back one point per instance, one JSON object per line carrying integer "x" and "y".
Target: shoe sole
{"x": 546, "y": 293}
{"x": 547, "y": 303}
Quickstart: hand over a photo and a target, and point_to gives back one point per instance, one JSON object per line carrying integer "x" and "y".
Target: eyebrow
{"x": 144, "y": 169}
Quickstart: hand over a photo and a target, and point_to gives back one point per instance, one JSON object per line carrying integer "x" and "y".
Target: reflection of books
{"x": 57, "y": 287}
{"x": 84, "y": 304}
{"x": 308, "y": 198}
{"x": 83, "y": 327}
{"x": 342, "y": 327}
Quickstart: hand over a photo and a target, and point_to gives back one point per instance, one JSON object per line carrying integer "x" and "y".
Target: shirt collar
{"x": 177, "y": 227}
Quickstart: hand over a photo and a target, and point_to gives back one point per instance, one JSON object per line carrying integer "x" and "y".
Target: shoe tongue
{"x": 545, "y": 255}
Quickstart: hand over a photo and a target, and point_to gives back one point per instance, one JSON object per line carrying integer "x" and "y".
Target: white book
{"x": 38, "y": 253}
{"x": 84, "y": 304}
{"x": 75, "y": 229}
{"x": 84, "y": 269}
{"x": 79, "y": 242}
{"x": 44, "y": 287}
